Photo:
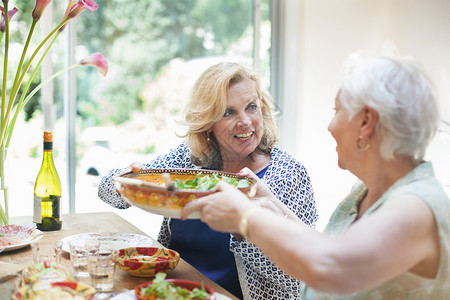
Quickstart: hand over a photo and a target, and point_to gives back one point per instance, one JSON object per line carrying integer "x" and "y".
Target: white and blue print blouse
{"x": 259, "y": 277}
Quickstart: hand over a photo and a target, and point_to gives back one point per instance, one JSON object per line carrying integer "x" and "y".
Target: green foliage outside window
{"x": 139, "y": 38}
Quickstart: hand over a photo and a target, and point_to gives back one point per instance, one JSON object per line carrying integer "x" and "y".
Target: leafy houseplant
{"x": 11, "y": 104}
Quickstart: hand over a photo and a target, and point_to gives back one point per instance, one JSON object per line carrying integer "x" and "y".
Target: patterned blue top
{"x": 258, "y": 276}
{"x": 421, "y": 182}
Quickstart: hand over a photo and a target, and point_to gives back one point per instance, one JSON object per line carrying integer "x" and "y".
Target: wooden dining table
{"x": 101, "y": 222}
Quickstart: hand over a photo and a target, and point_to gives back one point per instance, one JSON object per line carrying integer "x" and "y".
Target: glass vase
{"x": 4, "y": 211}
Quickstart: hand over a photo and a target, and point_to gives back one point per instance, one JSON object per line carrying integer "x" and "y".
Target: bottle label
{"x": 47, "y": 207}
{"x": 37, "y": 214}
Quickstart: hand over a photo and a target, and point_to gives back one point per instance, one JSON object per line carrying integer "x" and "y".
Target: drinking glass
{"x": 79, "y": 251}
{"x": 101, "y": 267}
{"x": 50, "y": 252}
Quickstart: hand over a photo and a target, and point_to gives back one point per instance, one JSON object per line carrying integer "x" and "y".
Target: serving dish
{"x": 186, "y": 284}
{"x": 112, "y": 240}
{"x": 131, "y": 295}
{"x": 55, "y": 290}
{"x": 148, "y": 189}
{"x": 147, "y": 261}
{"x": 44, "y": 272}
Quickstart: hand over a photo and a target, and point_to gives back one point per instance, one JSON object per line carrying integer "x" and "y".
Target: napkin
{"x": 8, "y": 270}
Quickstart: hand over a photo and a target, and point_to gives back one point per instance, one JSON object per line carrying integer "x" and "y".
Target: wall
{"x": 329, "y": 31}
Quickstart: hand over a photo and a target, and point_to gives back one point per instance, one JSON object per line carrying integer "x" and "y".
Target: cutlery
{"x": 169, "y": 183}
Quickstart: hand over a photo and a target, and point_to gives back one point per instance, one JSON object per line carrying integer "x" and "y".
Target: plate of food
{"x": 54, "y": 290}
{"x": 13, "y": 236}
{"x": 113, "y": 240}
{"x": 161, "y": 288}
{"x": 167, "y": 191}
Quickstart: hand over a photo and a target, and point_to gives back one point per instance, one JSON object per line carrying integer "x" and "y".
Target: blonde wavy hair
{"x": 207, "y": 104}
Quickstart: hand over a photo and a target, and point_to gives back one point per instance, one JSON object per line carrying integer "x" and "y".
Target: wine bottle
{"x": 47, "y": 191}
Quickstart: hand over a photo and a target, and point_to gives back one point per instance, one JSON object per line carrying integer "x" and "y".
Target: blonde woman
{"x": 231, "y": 126}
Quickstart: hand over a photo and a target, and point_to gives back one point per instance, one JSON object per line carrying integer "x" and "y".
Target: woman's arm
{"x": 107, "y": 191}
{"x": 394, "y": 239}
{"x": 400, "y": 236}
{"x": 178, "y": 157}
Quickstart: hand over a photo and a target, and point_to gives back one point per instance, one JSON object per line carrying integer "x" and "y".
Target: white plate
{"x": 113, "y": 240}
{"x": 25, "y": 242}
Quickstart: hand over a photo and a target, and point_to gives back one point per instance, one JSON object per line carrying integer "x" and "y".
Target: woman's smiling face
{"x": 240, "y": 130}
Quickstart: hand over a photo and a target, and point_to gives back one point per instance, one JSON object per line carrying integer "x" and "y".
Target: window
{"x": 155, "y": 51}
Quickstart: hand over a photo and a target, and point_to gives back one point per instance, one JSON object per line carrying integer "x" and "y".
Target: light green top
{"x": 421, "y": 182}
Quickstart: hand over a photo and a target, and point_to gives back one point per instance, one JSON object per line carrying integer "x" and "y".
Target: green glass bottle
{"x": 47, "y": 191}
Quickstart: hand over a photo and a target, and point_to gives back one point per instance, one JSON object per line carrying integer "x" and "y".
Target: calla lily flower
{"x": 15, "y": 94}
{"x": 96, "y": 60}
{"x": 70, "y": 6}
{"x": 10, "y": 15}
{"x": 78, "y": 8}
{"x": 39, "y": 8}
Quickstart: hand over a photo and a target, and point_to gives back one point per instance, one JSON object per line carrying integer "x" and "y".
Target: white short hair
{"x": 402, "y": 95}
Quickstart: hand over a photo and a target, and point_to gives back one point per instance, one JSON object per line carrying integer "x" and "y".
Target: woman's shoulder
{"x": 423, "y": 183}
{"x": 177, "y": 157}
{"x": 280, "y": 159}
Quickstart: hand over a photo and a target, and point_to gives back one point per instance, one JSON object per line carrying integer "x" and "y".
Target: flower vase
{"x": 4, "y": 211}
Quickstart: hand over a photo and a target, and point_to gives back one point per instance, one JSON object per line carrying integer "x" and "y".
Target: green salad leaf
{"x": 162, "y": 289}
{"x": 208, "y": 182}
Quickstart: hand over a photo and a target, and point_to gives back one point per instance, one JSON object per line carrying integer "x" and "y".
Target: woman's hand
{"x": 264, "y": 196}
{"x": 261, "y": 189}
{"x": 134, "y": 167}
{"x": 223, "y": 210}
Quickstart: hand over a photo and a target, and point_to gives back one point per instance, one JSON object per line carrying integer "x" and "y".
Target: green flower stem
{"x": 5, "y": 63}
{"x": 4, "y": 218}
{"x": 22, "y": 103}
{"x": 39, "y": 48}
{"x": 17, "y": 84}
{"x": 31, "y": 94}
{"x": 34, "y": 91}
{"x": 25, "y": 50}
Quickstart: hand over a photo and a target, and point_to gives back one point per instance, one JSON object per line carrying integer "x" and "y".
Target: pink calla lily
{"x": 96, "y": 60}
{"x": 39, "y": 8}
{"x": 10, "y": 15}
{"x": 78, "y": 8}
{"x": 70, "y": 6}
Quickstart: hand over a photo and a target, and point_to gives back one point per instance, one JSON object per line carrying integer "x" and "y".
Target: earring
{"x": 363, "y": 147}
{"x": 208, "y": 139}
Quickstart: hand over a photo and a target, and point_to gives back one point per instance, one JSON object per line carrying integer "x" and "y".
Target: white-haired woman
{"x": 390, "y": 237}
